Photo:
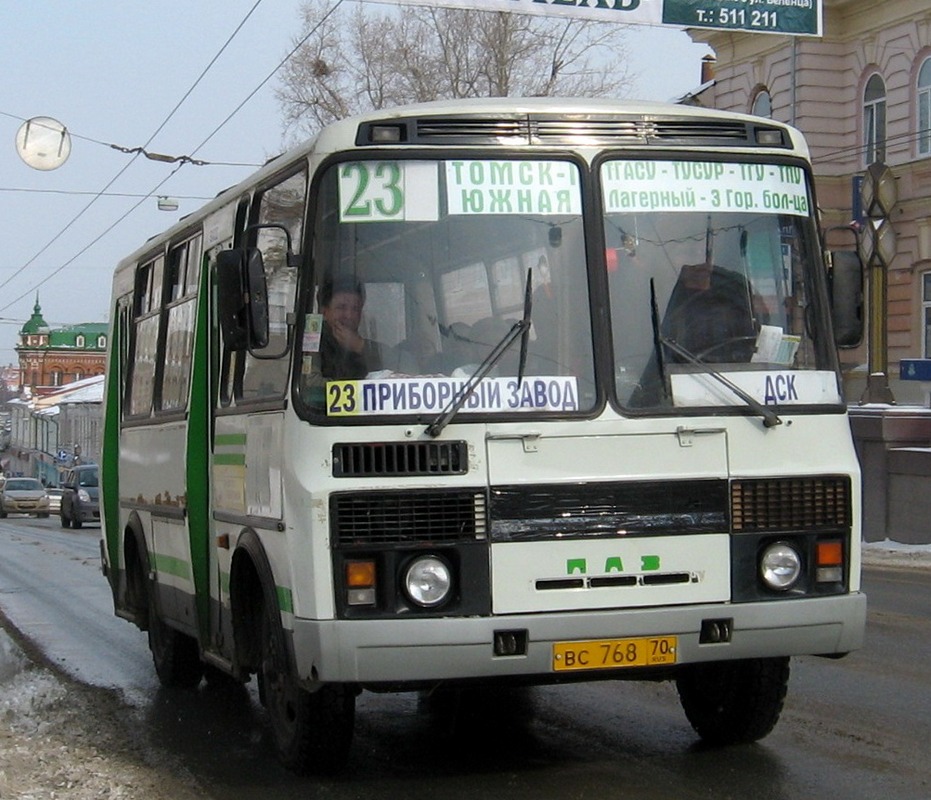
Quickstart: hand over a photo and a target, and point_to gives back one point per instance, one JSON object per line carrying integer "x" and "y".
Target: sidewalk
{"x": 894, "y": 554}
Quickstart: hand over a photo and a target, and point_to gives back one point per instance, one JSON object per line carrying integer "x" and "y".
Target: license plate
{"x": 648, "y": 651}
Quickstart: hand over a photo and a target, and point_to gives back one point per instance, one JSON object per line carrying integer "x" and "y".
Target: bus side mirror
{"x": 242, "y": 298}
{"x": 845, "y": 275}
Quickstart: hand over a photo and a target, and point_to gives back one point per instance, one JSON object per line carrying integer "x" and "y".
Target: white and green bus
{"x": 518, "y": 391}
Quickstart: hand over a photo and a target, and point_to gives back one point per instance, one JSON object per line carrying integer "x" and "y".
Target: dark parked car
{"x": 80, "y": 496}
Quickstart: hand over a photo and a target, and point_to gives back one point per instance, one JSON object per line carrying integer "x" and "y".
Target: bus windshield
{"x": 421, "y": 268}
{"x": 710, "y": 270}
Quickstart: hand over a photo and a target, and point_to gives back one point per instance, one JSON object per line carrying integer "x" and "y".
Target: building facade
{"x": 52, "y": 357}
{"x": 861, "y": 93}
{"x": 54, "y": 431}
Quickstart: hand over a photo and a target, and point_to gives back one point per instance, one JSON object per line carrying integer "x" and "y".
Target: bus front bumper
{"x": 462, "y": 648}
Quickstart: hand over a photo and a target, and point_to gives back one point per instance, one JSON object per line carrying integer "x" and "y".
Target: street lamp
{"x": 878, "y": 196}
{"x": 43, "y": 143}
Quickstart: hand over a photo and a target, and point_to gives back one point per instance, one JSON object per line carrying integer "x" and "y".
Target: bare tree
{"x": 356, "y": 60}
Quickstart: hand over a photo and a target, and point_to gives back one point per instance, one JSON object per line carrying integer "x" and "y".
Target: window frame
{"x": 926, "y": 314}
{"x": 758, "y": 94}
{"x": 874, "y": 119}
{"x": 923, "y": 108}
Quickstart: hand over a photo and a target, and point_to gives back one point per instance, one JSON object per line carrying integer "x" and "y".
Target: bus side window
{"x": 281, "y": 204}
{"x": 145, "y": 334}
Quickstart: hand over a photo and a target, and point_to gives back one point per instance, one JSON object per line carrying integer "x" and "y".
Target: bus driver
{"x": 344, "y": 353}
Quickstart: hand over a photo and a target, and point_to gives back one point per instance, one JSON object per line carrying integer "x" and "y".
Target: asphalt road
{"x": 857, "y": 728}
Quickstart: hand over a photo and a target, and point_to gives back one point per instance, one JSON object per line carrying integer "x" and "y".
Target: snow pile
{"x": 60, "y": 740}
{"x": 28, "y": 696}
{"x": 895, "y": 554}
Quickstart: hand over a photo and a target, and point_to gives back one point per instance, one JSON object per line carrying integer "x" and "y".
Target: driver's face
{"x": 345, "y": 310}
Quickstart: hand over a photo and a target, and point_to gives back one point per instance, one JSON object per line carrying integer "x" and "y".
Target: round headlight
{"x": 780, "y": 566}
{"x": 428, "y": 581}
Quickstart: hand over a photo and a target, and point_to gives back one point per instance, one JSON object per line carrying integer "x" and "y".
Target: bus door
{"x": 250, "y": 401}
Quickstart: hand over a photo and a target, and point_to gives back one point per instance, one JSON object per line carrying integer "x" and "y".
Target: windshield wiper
{"x": 519, "y": 328}
{"x": 657, "y": 337}
{"x": 770, "y": 418}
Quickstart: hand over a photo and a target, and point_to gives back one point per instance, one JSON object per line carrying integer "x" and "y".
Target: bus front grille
{"x": 527, "y": 512}
{"x": 393, "y": 459}
{"x": 790, "y": 504}
{"x": 420, "y": 517}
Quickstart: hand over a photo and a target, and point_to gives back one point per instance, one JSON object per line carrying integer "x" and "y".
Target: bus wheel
{"x": 734, "y": 702}
{"x": 312, "y": 730}
{"x": 175, "y": 655}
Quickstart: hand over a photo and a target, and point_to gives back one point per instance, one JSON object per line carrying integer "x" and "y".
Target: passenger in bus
{"x": 344, "y": 352}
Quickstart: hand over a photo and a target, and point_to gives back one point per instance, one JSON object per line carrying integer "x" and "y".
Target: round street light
{"x": 43, "y": 143}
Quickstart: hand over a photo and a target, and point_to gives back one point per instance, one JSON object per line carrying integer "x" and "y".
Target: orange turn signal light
{"x": 830, "y": 553}
{"x": 360, "y": 574}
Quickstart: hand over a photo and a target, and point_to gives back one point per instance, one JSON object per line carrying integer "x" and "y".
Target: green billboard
{"x": 796, "y": 17}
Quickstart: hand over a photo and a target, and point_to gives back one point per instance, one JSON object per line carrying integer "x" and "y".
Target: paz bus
{"x": 494, "y": 391}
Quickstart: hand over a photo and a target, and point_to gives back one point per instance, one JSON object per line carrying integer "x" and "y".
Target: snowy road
{"x": 855, "y": 729}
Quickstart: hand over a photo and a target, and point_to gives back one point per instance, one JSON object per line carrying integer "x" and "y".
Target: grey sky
{"x": 112, "y": 72}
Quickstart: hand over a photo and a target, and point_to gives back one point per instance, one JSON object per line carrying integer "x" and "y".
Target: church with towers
{"x": 52, "y": 357}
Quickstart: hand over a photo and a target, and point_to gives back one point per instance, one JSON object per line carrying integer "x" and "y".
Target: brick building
{"x": 51, "y": 357}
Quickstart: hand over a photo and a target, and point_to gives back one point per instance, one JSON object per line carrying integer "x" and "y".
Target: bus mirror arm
{"x": 242, "y": 291}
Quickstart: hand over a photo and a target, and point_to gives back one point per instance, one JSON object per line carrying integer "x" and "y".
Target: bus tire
{"x": 734, "y": 702}
{"x": 176, "y": 655}
{"x": 312, "y": 731}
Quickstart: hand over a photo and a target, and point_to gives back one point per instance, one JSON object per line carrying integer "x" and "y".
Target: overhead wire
{"x": 142, "y": 151}
{"x": 78, "y": 192}
{"x": 152, "y": 192}
{"x": 854, "y": 150}
{"x": 113, "y": 180}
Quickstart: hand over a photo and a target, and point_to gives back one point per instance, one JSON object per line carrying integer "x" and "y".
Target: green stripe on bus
{"x": 110, "y": 462}
{"x": 203, "y": 390}
{"x": 171, "y": 565}
{"x": 223, "y": 439}
{"x": 225, "y": 459}
{"x": 285, "y": 599}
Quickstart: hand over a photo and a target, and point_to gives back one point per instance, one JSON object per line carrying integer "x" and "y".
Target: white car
{"x": 23, "y": 496}
{"x": 54, "y": 499}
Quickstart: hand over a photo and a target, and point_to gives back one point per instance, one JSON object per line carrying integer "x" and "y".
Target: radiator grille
{"x": 534, "y": 512}
{"x": 380, "y": 459}
{"x": 443, "y": 517}
{"x": 791, "y": 504}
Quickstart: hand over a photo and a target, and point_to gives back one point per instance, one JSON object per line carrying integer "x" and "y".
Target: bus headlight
{"x": 428, "y": 581}
{"x": 780, "y": 566}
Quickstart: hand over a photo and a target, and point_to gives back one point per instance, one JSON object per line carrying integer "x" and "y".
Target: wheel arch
{"x": 134, "y": 592}
{"x": 252, "y": 587}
